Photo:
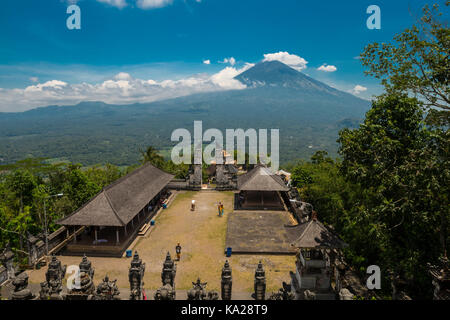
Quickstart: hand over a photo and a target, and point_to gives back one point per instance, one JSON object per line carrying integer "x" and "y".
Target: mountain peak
{"x": 268, "y": 72}
{"x": 278, "y": 74}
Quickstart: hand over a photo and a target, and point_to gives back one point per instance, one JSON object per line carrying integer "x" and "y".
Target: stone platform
{"x": 256, "y": 232}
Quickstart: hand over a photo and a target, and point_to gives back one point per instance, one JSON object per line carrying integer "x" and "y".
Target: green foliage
{"x": 388, "y": 196}
{"x": 418, "y": 62}
{"x": 29, "y": 184}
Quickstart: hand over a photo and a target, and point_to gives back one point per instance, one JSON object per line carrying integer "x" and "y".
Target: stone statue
{"x": 85, "y": 291}
{"x": 284, "y": 293}
{"x": 198, "y": 292}
{"x": 107, "y": 290}
{"x": 7, "y": 259}
{"x": 52, "y": 287}
{"x": 136, "y": 278}
{"x": 260, "y": 283}
{"x": 55, "y": 270}
{"x": 227, "y": 281}
{"x": 21, "y": 291}
{"x": 85, "y": 266}
{"x": 169, "y": 270}
{"x": 165, "y": 292}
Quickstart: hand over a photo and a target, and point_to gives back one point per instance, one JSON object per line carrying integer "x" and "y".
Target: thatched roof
{"x": 122, "y": 200}
{"x": 313, "y": 234}
{"x": 261, "y": 179}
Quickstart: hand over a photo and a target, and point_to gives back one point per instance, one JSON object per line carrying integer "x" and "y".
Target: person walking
{"x": 221, "y": 209}
{"x": 193, "y": 205}
{"x": 218, "y": 207}
{"x": 178, "y": 251}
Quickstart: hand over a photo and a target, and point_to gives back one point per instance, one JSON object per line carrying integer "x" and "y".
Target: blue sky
{"x": 135, "y": 46}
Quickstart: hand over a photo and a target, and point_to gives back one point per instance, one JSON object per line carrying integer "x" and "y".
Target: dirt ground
{"x": 202, "y": 237}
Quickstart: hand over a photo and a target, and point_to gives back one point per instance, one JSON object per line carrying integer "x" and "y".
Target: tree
{"x": 418, "y": 62}
{"x": 402, "y": 167}
{"x": 151, "y": 155}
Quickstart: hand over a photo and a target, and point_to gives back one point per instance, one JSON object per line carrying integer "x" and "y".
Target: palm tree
{"x": 151, "y": 155}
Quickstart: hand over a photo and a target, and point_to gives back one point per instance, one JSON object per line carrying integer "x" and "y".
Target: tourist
{"x": 178, "y": 251}
{"x": 219, "y": 206}
{"x": 193, "y": 205}
{"x": 221, "y": 209}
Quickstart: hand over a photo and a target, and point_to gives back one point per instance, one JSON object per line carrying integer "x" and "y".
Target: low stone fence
{"x": 36, "y": 246}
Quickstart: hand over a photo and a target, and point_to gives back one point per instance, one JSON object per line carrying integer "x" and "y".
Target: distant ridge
{"x": 307, "y": 112}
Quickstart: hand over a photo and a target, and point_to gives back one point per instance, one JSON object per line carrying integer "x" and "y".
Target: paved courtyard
{"x": 259, "y": 232}
{"x": 202, "y": 236}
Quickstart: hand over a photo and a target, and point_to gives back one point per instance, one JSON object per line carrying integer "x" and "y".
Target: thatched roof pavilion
{"x": 261, "y": 179}
{"x": 117, "y": 204}
{"x": 115, "y": 215}
{"x": 314, "y": 235}
{"x": 260, "y": 189}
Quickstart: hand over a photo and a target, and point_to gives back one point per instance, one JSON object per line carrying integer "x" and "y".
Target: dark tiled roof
{"x": 261, "y": 179}
{"x": 119, "y": 202}
{"x": 313, "y": 234}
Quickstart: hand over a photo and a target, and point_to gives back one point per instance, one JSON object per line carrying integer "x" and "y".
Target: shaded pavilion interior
{"x": 259, "y": 189}
{"x": 112, "y": 219}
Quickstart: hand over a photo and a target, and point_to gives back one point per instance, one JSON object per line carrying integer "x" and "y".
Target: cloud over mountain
{"x": 292, "y": 60}
{"x": 122, "y": 88}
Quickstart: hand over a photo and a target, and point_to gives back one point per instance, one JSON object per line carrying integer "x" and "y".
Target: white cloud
{"x": 115, "y": 3}
{"x": 120, "y": 89}
{"x": 122, "y": 76}
{"x": 34, "y": 79}
{"x": 327, "y": 68}
{"x": 230, "y": 60}
{"x": 207, "y": 61}
{"x": 152, "y": 4}
{"x": 358, "y": 89}
{"x": 291, "y": 60}
{"x": 225, "y": 78}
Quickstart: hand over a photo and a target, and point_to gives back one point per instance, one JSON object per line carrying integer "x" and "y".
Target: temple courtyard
{"x": 202, "y": 235}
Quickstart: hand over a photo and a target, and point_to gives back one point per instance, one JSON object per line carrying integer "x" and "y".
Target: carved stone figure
{"x": 85, "y": 266}
{"x": 21, "y": 291}
{"x": 165, "y": 292}
{"x": 136, "y": 278}
{"x": 55, "y": 270}
{"x": 440, "y": 275}
{"x": 227, "y": 281}
{"x": 85, "y": 291}
{"x": 7, "y": 259}
{"x": 52, "y": 287}
{"x": 284, "y": 293}
{"x": 198, "y": 291}
{"x": 169, "y": 271}
{"x": 107, "y": 290}
{"x": 260, "y": 283}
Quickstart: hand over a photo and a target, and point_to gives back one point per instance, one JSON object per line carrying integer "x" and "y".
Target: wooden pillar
{"x": 117, "y": 236}
{"x": 74, "y": 234}
{"x": 67, "y": 232}
{"x": 125, "y": 229}
{"x": 95, "y": 232}
{"x": 132, "y": 223}
{"x": 262, "y": 198}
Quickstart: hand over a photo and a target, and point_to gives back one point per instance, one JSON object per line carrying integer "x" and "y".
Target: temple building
{"x": 113, "y": 218}
{"x": 314, "y": 265}
{"x": 259, "y": 189}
